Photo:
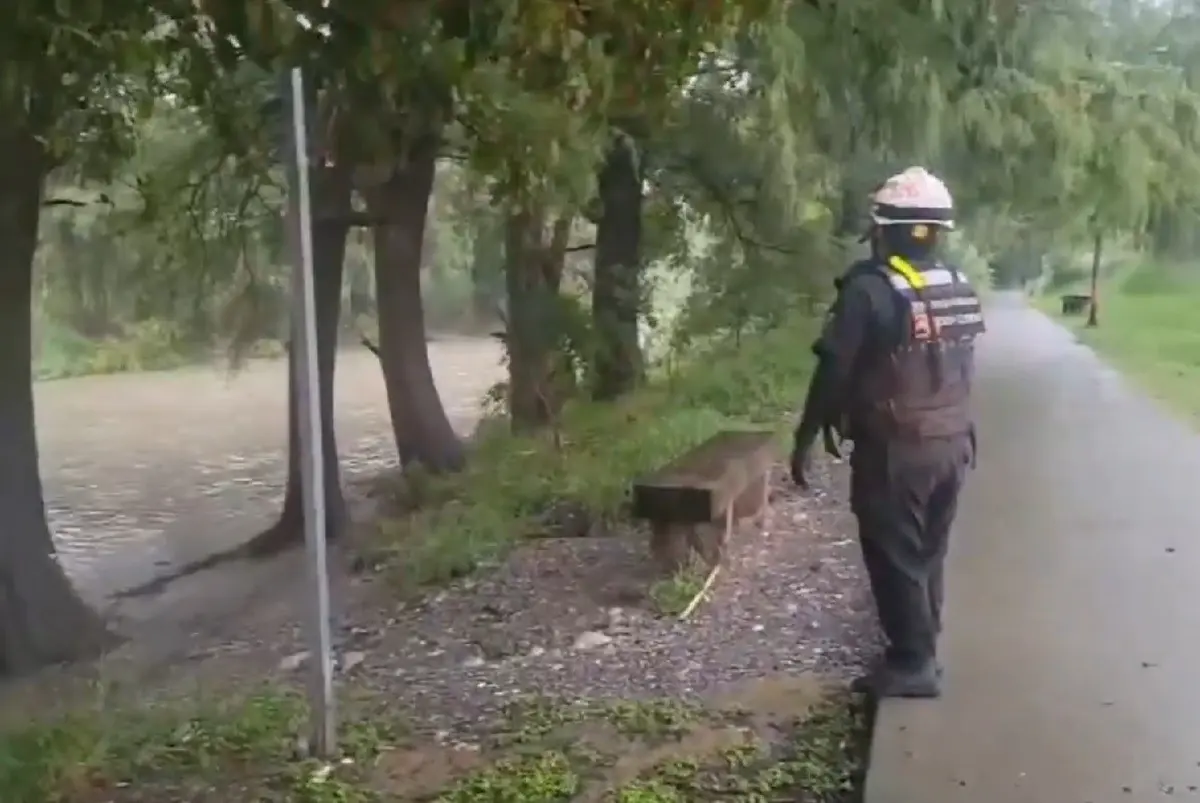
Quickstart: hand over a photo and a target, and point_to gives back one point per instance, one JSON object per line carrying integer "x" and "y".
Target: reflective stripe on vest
{"x": 940, "y": 298}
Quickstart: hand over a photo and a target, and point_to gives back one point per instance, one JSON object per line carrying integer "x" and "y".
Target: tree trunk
{"x": 1093, "y": 318}
{"x": 563, "y": 380}
{"x": 534, "y": 327}
{"x": 42, "y": 619}
{"x": 616, "y": 293}
{"x": 331, "y": 188}
{"x": 422, "y": 430}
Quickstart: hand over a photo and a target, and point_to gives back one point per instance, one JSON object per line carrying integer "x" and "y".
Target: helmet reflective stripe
{"x": 912, "y": 197}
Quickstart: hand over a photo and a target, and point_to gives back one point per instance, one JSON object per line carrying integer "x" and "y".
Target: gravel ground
{"x": 570, "y": 618}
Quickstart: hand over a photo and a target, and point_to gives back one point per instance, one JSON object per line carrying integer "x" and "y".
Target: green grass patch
{"x": 247, "y": 748}
{"x": 472, "y": 520}
{"x": 801, "y": 745}
{"x": 1153, "y": 338}
{"x": 671, "y": 595}
{"x": 806, "y": 751}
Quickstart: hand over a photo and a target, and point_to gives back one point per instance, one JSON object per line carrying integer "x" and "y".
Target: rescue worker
{"x": 894, "y": 374}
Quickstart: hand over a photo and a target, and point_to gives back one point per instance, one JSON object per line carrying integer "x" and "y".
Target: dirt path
{"x": 146, "y": 472}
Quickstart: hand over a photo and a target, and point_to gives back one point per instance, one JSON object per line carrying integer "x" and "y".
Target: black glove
{"x": 801, "y": 461}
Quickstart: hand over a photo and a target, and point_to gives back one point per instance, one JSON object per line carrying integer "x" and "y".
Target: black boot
{"x": 890, "y": 680}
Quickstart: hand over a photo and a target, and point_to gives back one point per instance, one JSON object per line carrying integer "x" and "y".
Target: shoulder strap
{"x": 911, "y": 275}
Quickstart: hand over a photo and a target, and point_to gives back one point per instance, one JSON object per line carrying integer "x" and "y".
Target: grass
{"x": 472, "y": 520}
{"x": 671, "y": 595}
{"x": 242, "y": 749}
{"x": 1153, "y": 338}
{"x": 667, "y": 752}
{"x": 796, "y": 745}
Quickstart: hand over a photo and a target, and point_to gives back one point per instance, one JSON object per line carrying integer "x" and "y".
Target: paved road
{"x": 1073, "y": 629}
{"x": 145, "y": 472}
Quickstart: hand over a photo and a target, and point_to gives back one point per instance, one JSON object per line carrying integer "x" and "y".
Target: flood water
{"x": 147, "y": 472}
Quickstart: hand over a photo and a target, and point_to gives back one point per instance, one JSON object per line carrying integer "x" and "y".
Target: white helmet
{"x": 914, "y": 196}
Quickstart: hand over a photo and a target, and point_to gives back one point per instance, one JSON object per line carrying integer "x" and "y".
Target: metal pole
{"x": 312, "y": 464}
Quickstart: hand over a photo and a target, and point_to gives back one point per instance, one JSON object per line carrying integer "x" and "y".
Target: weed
{"x": 534, "y": 718}
{"x": 660, "y": 718}
{"x": 820, "y": 761}
{"x": 649, "y": 792}
{"x": 543, "y": 778}
{"x": 671, "y": 595}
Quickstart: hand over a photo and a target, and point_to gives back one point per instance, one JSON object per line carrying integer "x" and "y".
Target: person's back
{"x": 920, "y": 387}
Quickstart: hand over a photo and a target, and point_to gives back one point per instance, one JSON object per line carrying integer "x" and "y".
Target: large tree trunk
{"x": 331, "y": 187}
{"x": 42, "y": 620}
{"x": 538, "y": 375}
{"x": 422, "y": 430}
{"x": 617, "y": 291}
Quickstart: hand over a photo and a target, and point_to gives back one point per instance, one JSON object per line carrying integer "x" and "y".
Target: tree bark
{"x": 43, "y": 620}
{"x": 533, "y": 270}
{"x": 617, "y": 290}
{"x": 1093, "y": 318}
{"x": 331, "y": 187}
{"x": 423, "y": 432}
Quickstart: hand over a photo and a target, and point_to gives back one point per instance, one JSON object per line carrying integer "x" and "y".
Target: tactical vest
{"x": 922, "y": 389}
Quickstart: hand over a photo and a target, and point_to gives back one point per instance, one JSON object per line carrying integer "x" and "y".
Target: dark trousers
{"x": 905, "y": 496}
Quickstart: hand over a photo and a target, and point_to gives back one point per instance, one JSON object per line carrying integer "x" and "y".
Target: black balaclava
{"x": 900, "y": 240}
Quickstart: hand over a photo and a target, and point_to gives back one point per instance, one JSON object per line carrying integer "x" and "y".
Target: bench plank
{"x": 700, "y": 485}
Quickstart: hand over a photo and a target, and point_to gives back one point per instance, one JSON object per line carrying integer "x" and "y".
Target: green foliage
{"x": 812, "y": 753}
{"x": 150, "y": 345}
{"x": 760, "y": 126}
{"x": 544, "y": 778}
{"x": 472, "y": 520}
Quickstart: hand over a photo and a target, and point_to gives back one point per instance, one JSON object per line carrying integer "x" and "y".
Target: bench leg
{"x": 671, "y": 546}
{"x": 708, "y": 541}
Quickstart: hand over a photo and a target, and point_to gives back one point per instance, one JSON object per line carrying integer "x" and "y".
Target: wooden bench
{"x": 1075, "y": 304}
{"x": 694, "y": 502}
